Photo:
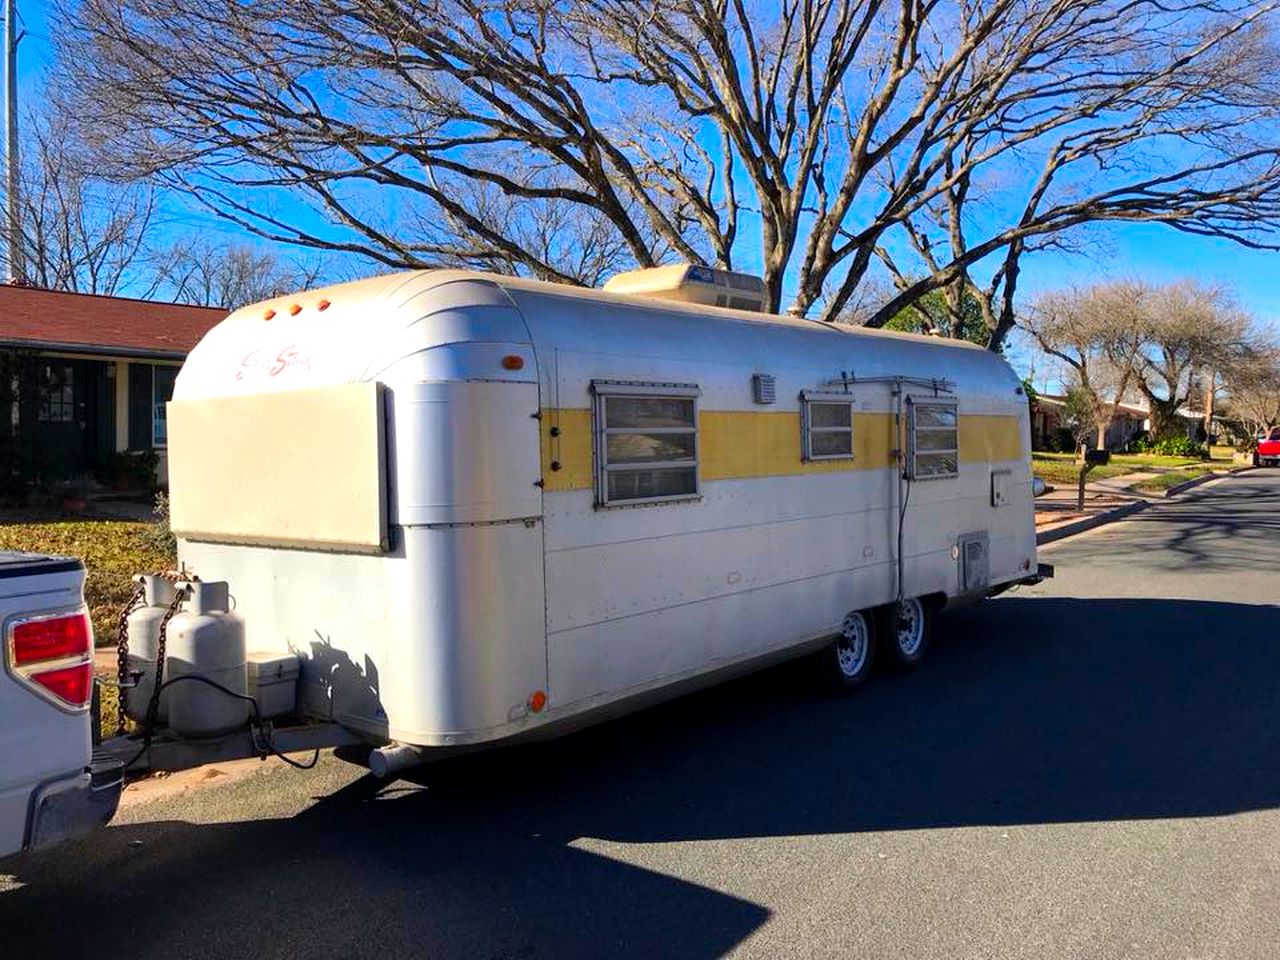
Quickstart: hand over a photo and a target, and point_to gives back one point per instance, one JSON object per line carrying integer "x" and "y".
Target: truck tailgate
{"x": 39, "y": 742}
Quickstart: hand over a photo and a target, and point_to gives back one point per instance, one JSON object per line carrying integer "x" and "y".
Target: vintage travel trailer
{"x": 462, "y": 508}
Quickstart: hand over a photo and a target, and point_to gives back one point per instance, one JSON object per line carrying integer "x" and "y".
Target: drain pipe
{"x": 391, "y": 759}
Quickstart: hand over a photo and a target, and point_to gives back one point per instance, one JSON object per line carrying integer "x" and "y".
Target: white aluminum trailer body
{"x": 489, "y": 592}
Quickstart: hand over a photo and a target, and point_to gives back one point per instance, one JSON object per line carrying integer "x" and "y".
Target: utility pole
{"x": 13, "y": 222}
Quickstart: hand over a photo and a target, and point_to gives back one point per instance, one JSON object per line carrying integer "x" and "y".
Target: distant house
{"x": 1049, "y": 424}
{"x": 87, "y": 377}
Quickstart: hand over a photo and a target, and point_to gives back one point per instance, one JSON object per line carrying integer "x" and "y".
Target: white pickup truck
{"x": 52, "y": 786}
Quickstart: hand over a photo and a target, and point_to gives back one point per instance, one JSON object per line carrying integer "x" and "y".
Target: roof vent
{"x": 688, "y": 283}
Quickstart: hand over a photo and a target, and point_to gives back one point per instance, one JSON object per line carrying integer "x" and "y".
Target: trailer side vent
{"x": 764, "y": 388}
{"x": 975, "y": 562}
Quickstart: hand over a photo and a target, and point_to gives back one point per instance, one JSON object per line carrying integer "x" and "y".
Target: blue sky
{"x": 1148, "y": 252}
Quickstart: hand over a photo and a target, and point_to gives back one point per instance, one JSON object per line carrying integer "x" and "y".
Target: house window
{"x": 933, "y": 444}
{"x": 57, "y": 393}
{"x": 161, "y": 391}
{"x": 646, "y": 442}
{"x": 826, "y": 426}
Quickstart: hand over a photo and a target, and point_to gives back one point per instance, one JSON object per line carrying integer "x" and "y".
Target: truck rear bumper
{"x": 72, "y": 806}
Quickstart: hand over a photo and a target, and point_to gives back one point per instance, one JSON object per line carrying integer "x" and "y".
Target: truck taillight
{"x": 53, "y": 655}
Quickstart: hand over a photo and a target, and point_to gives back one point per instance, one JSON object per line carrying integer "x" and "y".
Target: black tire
{"x": 906, "y": 640}
{"x": 846, "y": 662}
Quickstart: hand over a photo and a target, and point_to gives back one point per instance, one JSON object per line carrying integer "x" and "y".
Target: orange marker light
{"x": 322, "y": 305}
{"x": 512, "y": 362}
{"x": 268, "y": 315}
{"x": 537, "y": 701}
{"x": 295, "y": 310}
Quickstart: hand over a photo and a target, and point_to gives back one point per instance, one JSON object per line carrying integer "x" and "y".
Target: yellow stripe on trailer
{"x": 745, "y": 444}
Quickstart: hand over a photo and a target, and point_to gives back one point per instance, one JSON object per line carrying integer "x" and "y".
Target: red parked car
{"x": 1268, "y": 452}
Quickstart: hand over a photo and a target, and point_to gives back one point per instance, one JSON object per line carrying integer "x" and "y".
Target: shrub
{"x": 158, "y": 535}
{"x": 132, "y": 470}
{"x": 1061, "y": 441}
{"x": 1171, "y": 447}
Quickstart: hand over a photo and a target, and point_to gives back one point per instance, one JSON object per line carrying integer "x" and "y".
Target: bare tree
{"x": 1099, "y": 333}
{"x": 79, "y": 233}
{"x": 1253, "y": 387}
{"x": 1156, "y": 341}
{"x": 230, "y": 276}
{"x": 803, "y": 136}
{"x": 1188, "y": 327}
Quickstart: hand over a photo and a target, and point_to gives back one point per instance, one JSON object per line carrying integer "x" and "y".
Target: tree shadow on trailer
{"x": 1032, "y": 710}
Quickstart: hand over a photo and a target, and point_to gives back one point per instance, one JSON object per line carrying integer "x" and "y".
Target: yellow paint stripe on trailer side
{"x": 736, "y": 444}
{"x": 743, "y": 444}
{"x": 570, "y": 451}
{"x": 990, "y": 438}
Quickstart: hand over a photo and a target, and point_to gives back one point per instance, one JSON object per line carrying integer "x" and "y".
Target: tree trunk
{"x": 1210, "y": 390}
{"x": 1164, "y": 419}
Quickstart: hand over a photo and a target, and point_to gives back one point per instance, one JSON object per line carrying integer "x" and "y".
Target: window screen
{"x": 827, "y": 426}
{"x": 934, "y": 439}
{"x": 647, "y": 442}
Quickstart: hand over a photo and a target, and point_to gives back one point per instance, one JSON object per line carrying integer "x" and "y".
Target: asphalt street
{"x": 1087, "y": 768}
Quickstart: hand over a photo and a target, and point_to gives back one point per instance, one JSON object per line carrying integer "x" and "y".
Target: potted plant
{"x": 75, "y": 494}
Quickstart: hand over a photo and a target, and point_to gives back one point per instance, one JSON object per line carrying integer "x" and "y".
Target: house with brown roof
{"x": 1049, "y": 430}
{"x": 84, "y": 380}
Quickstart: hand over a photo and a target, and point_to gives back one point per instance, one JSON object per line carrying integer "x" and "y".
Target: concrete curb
{"x": 1177, "y": 488}
{"x": 1088, "y": 523}
{"x": 1196, "y": 481}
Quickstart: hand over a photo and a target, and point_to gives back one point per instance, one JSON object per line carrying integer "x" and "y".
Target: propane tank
{"x": 144, "y": 638}
{"x": 206, "y": 640}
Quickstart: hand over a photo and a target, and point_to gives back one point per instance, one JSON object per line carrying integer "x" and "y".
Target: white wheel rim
{"x": 851, "y": 648}
{"x": 910, "y": 632}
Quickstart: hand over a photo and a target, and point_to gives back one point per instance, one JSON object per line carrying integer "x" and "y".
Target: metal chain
{"x": 122, "y": 653}
{"x": 179, "y": 595}
{"x": 123, "y": 681}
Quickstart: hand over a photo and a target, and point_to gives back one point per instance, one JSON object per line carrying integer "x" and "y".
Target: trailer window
{"x": 826, "y": 425}
{"x": 646, "y": 442}
{"x": 933, "y": 439}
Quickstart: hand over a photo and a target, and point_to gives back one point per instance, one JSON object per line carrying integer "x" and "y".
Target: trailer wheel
{"x": 846, "y": 663}
{"x": 908, "y": 632}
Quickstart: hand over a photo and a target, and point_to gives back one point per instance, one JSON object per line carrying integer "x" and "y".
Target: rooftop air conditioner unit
{"x": 688, "y": 283}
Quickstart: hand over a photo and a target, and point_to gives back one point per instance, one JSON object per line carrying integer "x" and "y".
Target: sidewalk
{"x": 1057, "y": 514}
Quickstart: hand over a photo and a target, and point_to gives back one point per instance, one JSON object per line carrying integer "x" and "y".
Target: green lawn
{"x": 1174, "y": 477}
{"x": 1061, "y": 468}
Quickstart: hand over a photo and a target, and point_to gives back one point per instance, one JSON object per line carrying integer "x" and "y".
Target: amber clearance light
{"x": 512, "y": 362}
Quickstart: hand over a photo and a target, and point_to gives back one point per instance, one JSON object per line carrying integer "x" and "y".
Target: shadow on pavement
{"x": 1224, "y": 527}
{"x": 1033, "y": 710}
